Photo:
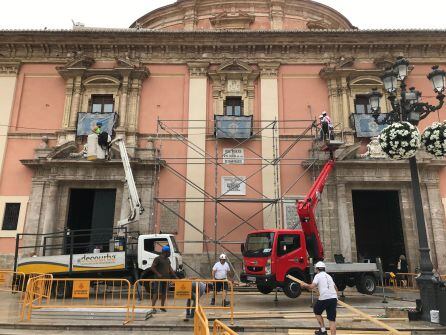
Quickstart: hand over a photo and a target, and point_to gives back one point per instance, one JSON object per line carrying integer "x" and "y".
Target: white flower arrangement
{"x": 434, "y": 139}
{"x": 400, "y": 140}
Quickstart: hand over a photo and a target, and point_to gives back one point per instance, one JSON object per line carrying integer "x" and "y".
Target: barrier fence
{"x": 43, "y": 292}
{"x": 38, "y": 288}
{"x": 406, "y": 281}
{"x": 12, "y": 281}
{"x": 57, "y": 294}
{"x": 155, "y": 294}
{"x": 201, "y": 324}
{"x": 220, "y": 328}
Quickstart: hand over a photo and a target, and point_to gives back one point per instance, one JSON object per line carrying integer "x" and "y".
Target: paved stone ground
{"x": 254, "y": 314}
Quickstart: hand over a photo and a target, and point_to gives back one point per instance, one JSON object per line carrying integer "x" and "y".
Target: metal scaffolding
{"x": 293, "y": 131}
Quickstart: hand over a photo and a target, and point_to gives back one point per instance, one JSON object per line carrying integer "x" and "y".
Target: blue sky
{"x": 365, "y": 14}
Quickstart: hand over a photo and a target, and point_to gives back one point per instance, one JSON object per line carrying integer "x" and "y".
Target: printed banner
{"x": 183, "y": 289}
{"x": 366, "y": 126}
{"x": 87, "y": 121}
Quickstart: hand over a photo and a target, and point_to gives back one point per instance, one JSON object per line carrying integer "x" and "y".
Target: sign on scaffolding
{"x": 233, "y": 185}
{"x": 233, "y": 156}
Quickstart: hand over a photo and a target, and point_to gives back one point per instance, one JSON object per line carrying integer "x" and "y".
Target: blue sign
{"x": 366, "y": 126}
{"x": 239, "y": 127}
{"x": 87, "y": 121}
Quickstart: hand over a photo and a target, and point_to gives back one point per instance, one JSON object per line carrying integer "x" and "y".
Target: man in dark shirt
{"x": 162, "y": 270}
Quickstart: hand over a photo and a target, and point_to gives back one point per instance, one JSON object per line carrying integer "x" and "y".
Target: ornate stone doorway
{"x": 378, "y": 226}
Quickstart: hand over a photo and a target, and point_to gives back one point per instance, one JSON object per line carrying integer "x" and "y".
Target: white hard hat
{"x": 222, "y": 256}
{"x": 324, "y": 113}
{"x": 320, "y": 265}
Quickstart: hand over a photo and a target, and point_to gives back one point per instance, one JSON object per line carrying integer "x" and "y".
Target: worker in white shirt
{"x": 328, "y": 298}
{"x": 221, "y": 271}
{"x": 326, "y": 127}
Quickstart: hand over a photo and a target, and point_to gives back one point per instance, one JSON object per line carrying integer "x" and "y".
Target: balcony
{"x": 233, "y": 127}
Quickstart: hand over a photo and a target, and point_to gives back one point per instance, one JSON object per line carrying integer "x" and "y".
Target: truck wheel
{"x": 341, "y": 285}
{"x": 367, "y": 284}
{"x": 265, "y": 289}
{"x": 292, "y": 289}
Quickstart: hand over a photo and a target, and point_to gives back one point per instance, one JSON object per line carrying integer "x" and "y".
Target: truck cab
{"x": 149, "y": 247}
{"x": 270, "y": 255}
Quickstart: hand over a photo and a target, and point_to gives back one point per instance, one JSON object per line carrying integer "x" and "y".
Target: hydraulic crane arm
{"x": 136, "y": 209}
{"x": 306, "y": 209}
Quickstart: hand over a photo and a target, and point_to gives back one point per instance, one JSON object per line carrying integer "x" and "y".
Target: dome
{"x": 243, "y": 15}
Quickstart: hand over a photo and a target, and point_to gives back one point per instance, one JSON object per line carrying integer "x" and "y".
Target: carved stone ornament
{"x": 238, "y": 20}
{"x": 198, "y": 69}
{"x": 374, "y": 150}
{"x": 269, "y": 70}
{"x": 9, "y": 68}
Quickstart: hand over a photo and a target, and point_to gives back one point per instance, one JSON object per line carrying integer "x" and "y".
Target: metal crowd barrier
{"x": 201, "y": 324}
{"x": 403, "y": 281}
{"x": 12, "y": 281}
{"x": 38, "y": 288}
{"x": 148, "y": 293}
{"x": 94, "y": 293}
{"x": 220, "y": 328}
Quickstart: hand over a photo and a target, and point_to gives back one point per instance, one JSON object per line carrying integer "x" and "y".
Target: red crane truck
{"x": 270, "y": 255}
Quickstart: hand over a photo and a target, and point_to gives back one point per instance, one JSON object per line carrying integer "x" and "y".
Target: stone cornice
{"x": 214, "y": 46}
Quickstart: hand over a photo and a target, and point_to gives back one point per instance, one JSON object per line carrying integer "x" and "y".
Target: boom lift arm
{"x": 136, "y": 209}
{"x": 306, "y": 209}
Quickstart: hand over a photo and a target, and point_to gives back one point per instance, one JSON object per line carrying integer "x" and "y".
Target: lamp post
{"x": 407, "y": 106}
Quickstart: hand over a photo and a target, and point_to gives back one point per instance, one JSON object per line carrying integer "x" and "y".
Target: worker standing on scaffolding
{"x": 326, "y": 125}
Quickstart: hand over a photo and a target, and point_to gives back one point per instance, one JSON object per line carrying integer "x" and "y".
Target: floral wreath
{"x": 434, "y": 139}
{"x": 400, "y": 140}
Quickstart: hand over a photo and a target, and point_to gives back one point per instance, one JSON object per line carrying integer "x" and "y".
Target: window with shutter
{"x": 11, "y": 216}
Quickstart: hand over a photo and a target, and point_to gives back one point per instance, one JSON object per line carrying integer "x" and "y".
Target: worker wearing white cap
{"x": 221, "y": 271}
{"x": 328, "y": 298}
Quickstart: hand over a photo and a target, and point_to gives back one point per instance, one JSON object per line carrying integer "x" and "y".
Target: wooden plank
{"x": 357, "y": 311}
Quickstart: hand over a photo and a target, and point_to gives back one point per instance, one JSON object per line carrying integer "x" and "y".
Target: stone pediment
{"x": 83, "y": 62}
{"x": 237, "y": 20}
{"x": 68, "y": 151}
{"x": 234, "y": 66}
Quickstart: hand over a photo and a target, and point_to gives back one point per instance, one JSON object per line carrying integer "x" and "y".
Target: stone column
{"x": 33, "y": 216}
{"x": 77, "y": 87}
{"x": 269, "y": 106}
{"x": 123, "y": 104}
{"x": 68, "y": 101}
{"x": 50, "y": 215}
{"x": 146, "y": 192}
{"x": 8, "y": 79}
{"x": 344, "y": 225}
{"x": 438, "y": 247}
{"x": 194, "y": 211}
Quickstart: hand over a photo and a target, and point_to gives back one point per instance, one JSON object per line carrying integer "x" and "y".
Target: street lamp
{"x": 409, "y": 107}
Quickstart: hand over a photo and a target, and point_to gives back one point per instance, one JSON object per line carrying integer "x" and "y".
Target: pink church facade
{"x": 206, "y": 96}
